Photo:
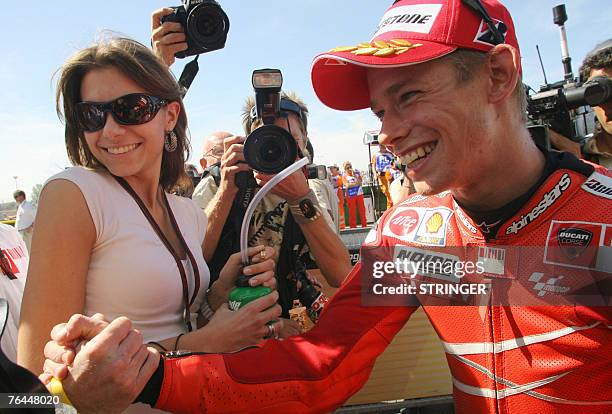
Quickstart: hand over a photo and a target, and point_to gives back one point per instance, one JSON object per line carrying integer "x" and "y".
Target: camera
{"x": 562, "y": 105}
{"x": 316, "y": 172}
{"x": 205, "y": 23}
{"x": 552, "y": 104}
{"x": 269, "y": 149}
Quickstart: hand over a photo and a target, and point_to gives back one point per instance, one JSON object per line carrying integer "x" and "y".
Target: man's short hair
{"x": 466, "y": 62}
{"x": 598, "y": 58}
{"x": 248, "y": 124}
{"x": 19, "y": 193}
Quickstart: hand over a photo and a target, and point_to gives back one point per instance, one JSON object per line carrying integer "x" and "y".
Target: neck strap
{"x": 177, "y": 259}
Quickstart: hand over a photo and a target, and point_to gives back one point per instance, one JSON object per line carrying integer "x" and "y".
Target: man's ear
{"x": 503, "y": 72}
{"x": 203, "y": 163}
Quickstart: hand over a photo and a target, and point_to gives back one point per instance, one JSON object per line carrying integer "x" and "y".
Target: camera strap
{"x": 188, "y": 75}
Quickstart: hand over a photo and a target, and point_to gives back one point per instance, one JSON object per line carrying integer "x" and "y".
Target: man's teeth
{"x": 122, "y": 150}
{"x": 417, "y": 153}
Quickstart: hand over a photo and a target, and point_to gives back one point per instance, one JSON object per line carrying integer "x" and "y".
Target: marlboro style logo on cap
{"x": 410, "y": 32}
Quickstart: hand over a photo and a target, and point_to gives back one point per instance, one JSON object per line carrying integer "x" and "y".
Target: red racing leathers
{"x": 503, "y": 359}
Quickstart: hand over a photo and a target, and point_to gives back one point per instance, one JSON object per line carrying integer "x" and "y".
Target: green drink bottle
{"x": 244, "y": 293}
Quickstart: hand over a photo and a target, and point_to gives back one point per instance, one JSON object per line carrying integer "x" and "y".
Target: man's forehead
{"x": 387, "y": 81}
{"x": 213, "y": 140}
{"x": 601, "y": 72}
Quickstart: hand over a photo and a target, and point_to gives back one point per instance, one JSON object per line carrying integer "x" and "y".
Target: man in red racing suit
{"x": 444, "y": 79}
{"x": 505, "y": 359}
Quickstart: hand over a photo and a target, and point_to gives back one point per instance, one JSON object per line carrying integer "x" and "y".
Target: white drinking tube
{"x": 244, "y": 229}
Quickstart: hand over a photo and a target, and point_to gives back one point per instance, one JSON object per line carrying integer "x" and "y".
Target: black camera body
{"x": 269, "y": 149}
{"x": 206, "y": 26}
{"x": 554, "y": 104}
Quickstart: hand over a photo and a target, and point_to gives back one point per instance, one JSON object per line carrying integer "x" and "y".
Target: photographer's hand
{"x": 291, "y": 188}
{"x": 217, "y": 211}
{"x": 232, "y": 162}
{"x": 167, "y": 38}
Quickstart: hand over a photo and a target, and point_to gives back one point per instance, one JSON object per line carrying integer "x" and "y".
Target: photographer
{"x": 296, "y": 239}
{"x": 272, "y": 223}
{"x": 598, "y": 148}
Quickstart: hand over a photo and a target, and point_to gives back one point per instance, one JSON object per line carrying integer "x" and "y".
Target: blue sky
{"x": 271, "y": 33}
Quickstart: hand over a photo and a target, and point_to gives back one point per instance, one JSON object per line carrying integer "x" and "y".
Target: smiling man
{"x": 444, "y": 78}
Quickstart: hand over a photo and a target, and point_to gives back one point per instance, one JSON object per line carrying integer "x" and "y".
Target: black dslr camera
{"x": 269, "y": 149}
{"x": 205, "y": 23}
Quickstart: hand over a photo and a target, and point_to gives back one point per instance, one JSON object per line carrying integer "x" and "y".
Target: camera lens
{"x": 207, "y": 25}
{"x": 270, "y": 149}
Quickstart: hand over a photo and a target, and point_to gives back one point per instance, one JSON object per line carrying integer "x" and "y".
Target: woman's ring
{"x": 271, "y": 332}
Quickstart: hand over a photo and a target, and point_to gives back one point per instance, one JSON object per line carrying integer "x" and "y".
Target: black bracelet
{"x": 177, "y": 341}
{"x": 159, "y": 346}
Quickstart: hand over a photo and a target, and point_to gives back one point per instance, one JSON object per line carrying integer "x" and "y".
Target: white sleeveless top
{"x": 131, "y": 272}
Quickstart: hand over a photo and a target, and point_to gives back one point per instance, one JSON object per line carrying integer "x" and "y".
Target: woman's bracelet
{"x": 206, "y": 311}
{"x": 177, "y": 341}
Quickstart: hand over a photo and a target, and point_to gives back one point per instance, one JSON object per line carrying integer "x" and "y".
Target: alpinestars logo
{"x": 547, "y": 201}
{"x": 573, "y": 241}
{"x": 549, "y": 286}
{"x": 465, "y": 221}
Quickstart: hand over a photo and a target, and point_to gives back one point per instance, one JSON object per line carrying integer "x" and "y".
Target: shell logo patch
{"x": 433, "y": 227}
{"x": 434, "y": 223}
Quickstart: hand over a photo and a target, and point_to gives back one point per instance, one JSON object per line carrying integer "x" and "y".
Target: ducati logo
{"x": 573, "y": 241}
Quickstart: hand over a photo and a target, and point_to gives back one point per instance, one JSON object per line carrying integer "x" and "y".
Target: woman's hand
{"x": 261, "y": 269}
{"x": 230, "y": 331}
{"x": 289, "y": 328}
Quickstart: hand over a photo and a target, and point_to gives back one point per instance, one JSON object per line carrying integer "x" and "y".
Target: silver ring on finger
{"x": 271, "y": 331}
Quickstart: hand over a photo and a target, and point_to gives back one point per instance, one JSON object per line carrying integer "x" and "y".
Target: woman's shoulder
{"x": 81, "y": 175}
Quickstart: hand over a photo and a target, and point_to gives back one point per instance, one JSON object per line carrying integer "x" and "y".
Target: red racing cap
{"x": 410, "y": 32}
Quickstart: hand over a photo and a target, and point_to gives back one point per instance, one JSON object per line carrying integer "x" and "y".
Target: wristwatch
{"x": 305, "y": 209}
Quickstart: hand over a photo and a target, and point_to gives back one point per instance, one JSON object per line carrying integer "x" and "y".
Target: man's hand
{"x": 291, "y": 188}
{"x": 108, "y": 372}
{"x": 167, "y": 38}
{"x": 232, "y": 162}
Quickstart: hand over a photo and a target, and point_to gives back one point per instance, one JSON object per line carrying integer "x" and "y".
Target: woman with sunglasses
{"x": 110, "y": 236}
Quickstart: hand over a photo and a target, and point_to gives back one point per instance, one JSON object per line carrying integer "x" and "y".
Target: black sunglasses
{"x": 131, "y": 109}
